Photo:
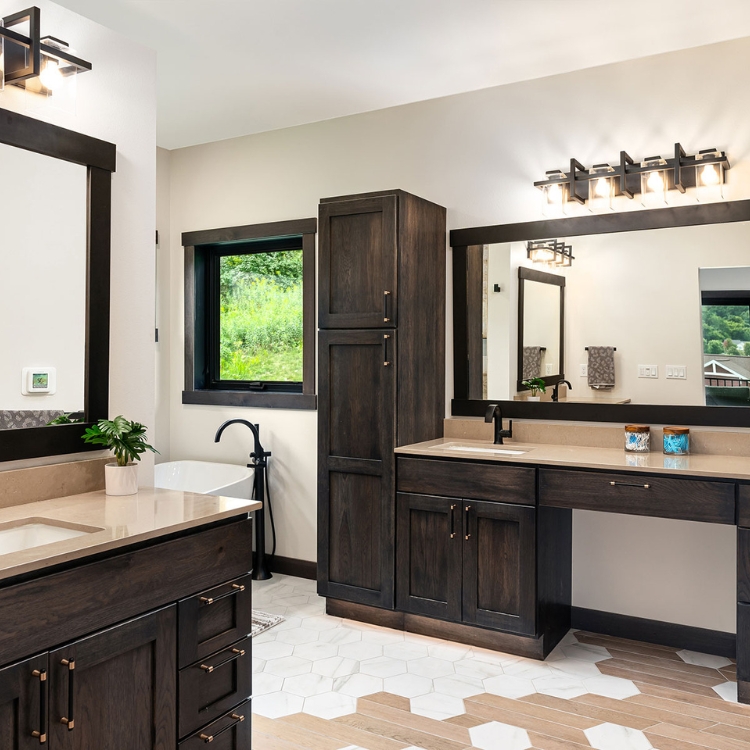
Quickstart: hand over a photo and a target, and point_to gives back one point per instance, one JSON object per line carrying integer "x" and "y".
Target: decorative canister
{"x": 637, "y": 438}
{"x": 676, "y": 441}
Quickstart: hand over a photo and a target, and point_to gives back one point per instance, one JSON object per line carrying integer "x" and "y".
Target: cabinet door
{"x": 356, "y": 485}
{"x": 116, "y": 688}
{"x": 358, "y": 256}
{"x": 428, "y": 555}
{"x": 23, "y": 704}
{"x": 499, "y": 587}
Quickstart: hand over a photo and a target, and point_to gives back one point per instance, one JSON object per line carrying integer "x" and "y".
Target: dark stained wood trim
{"x": 655, "y": 631}
{"x": 308, "y": 314}
{"x": 270, "y": 400}
{"x": 250, "y": 232}
{"x": 743, "y": 505}
{"x": 291, "y": 566}
{"x": 474, "y": 313}
{"x": 460, "y": 322}
{"x": 190, "y": 303}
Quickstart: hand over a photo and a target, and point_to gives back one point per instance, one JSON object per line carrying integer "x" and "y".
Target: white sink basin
{"x": 36, "y": 532}
{"x": 494, "y": 450}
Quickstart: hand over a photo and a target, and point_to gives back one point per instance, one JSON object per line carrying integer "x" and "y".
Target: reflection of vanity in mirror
{"x": 685, "y": 343}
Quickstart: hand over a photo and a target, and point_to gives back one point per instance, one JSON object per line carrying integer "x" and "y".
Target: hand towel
{"x": 532, "y": 362}
{"x": 601, "y": 367}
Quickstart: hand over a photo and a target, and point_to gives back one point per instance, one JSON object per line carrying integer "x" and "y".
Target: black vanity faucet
{"x": 494, "y": 414}
{"x": 556, "y": 389}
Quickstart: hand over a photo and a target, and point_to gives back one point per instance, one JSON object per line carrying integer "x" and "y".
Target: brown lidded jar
{"x": 676, "y": 441}
{"x": 637, "y": 438}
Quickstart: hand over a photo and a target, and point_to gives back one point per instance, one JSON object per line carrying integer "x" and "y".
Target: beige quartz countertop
{"x": 114, "y": 522}
{"x": 576, "y": 456}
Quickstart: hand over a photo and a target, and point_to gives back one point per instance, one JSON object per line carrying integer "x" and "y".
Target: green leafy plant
{"x": 535, "y": 385}
{"x": 64, "y": 419}
{"x": 126, "y": 439}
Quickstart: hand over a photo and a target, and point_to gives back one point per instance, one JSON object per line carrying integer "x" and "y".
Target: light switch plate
{"x": 648, "y": 371}
{"x": 676, "y": 372}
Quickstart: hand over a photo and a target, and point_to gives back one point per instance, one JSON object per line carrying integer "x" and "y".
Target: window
{"x": 249, "y": 315}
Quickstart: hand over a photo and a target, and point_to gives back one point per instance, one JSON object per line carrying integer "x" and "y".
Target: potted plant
{"x": 535, "y": 385}
{"x": 127, "y": 440}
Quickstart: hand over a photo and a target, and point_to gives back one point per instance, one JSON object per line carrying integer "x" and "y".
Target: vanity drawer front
{"x": 211, "y": 686}
{"x": 213, "y": 619}
{"x": 231, "y": 732}
{"x": 470, "y": 481}
{"x": 743, "y": 505}
{"x": 652, "y": 495}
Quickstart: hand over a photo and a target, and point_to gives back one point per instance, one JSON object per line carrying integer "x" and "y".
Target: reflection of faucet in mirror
{"x": 494, "y": 414}
{"x": 556, "y": 389}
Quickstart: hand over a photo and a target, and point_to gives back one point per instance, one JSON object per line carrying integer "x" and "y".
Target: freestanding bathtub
{"x": 209, "y": 478}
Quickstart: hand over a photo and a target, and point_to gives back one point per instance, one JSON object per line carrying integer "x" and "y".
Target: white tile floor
{"x": 320, "y": 665}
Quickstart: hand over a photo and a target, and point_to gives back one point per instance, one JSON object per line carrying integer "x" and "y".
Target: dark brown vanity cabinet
{"x": 381, "y": 377}
{"x": 23, "y": 704}
{"x": 468, "y": 561}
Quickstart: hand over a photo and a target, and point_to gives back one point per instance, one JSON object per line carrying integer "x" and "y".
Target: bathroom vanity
{"x": 131, "y": 630}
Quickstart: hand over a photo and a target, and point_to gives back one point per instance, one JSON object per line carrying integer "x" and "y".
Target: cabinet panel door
{"x": 356, "y": 485}
{"x": 499, "y": 587}
{"x": 428, "y": 555}
{"x": 358, "y": 257}
{"x": 23, "y": 704}
{"x": 120, "y": 692}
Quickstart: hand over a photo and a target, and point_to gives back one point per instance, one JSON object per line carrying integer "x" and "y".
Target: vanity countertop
{"x": 578, "y": 456}
{"x": 117, "y": 522}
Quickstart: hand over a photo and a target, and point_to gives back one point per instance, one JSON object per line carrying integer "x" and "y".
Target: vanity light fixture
{"x": 549, "y": 252}
{"x": 653, "y": 178}
{"x": 45, "y": 65}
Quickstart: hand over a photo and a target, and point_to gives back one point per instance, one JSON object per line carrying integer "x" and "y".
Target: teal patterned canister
{"x": 637, "y": 438}
{"x": 676, "y": 441}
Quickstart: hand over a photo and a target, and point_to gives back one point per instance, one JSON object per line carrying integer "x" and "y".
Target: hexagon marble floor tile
{"x": 324, "y": 683}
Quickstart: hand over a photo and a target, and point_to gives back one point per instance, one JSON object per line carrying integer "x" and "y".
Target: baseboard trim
{"x": 291, "y": 566}
{"x": 655, "y": 631}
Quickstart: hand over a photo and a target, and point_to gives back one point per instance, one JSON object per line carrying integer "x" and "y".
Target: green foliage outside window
{"x": 261, "y": 316}
{"x": 723, "y": 325}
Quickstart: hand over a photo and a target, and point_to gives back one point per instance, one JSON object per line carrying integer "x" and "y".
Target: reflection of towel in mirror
{"x": 532, "y": 362}
{"x": 601, "y": 367}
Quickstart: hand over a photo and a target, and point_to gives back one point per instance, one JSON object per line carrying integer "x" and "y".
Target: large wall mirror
{"x": 661, "y": 297}
{"x": 55, "y": 212}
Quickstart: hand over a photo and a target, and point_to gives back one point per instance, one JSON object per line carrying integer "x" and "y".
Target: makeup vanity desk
{"x": 503, "y": 577}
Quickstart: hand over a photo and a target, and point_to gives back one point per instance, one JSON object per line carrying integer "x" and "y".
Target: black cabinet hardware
{"x": 236, "y": 653}
{"x": 238, "y": 719}
{"x": 69, "y": 720}
{"x": 236, "y": 588}
{"x": 41, "y": 733}
{"x": 630, "y": 484}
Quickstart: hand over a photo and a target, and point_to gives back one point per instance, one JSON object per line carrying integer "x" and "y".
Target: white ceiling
{"x": 234, "y": 67}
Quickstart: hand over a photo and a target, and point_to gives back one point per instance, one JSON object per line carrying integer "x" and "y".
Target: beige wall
{"x": 477, "y": 154}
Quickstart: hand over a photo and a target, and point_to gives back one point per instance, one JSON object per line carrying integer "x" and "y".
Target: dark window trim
{"x": 206, "y": 246}
{"x": 99, "y": 158}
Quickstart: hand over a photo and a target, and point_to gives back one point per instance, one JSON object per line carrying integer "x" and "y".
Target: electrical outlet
{"x": 549, "y": 369}
{"x": 648, "y": 371}
{"x": 677, "y": 372}
{"x": 584, "y": 373}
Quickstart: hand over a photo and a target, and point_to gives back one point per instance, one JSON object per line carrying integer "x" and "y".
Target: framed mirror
{"x": 55, "y": 212}
{"x": 663, "y": 295}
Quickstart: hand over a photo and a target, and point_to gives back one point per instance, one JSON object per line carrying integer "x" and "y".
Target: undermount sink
{"x": 496, "y": 450}
{"x": 36, "y": 532}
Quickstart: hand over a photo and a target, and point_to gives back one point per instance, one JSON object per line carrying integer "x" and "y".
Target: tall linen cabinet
{"x": 381, "y": 377}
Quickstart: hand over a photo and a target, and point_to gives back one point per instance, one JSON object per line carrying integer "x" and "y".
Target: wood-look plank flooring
{"x": 676, "y": 709}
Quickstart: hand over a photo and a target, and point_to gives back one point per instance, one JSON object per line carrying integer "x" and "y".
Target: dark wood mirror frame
{"x": 531, "y": 274}
{"x": 99, "y": 158}
{"x": 467, "y": 246}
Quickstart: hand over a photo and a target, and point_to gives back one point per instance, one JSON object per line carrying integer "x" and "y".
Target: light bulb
{"x": 709, "y": 175}
{"x": 554, "y": 194}
{"x": 601, "y": 187}
{"x": 51, "y": 77}
{"x": 656, "y": 182}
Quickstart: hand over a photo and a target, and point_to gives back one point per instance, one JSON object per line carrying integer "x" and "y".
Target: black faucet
{"x": 494, "y": 414}
{"x": 556, "y": 389}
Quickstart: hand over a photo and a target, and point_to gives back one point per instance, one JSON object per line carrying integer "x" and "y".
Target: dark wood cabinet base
{"x": 528, "y": 646}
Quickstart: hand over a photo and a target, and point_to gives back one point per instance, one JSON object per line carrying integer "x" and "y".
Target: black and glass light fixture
{"x": 42, "y": 65}
{"x": 652, "y": 178}
{"x": 550, "y": 252}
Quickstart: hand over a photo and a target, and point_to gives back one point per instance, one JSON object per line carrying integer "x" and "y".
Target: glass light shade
{"x": 554, "y": 197}
{"x": 654, "y": 184}
{"x": 541, "y": 254}
{"x": 56, "y": 83}
{"x": 709, "y": 178}
{"x": 601, "y": 188}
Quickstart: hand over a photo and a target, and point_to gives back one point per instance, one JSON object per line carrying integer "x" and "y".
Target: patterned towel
{"x": 532, "y": 362}
{"x": 602, "y": 367}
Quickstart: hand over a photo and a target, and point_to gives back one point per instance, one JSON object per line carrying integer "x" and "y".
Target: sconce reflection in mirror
{"x": 653, "y": 178}
{"x": 550, "y": 253}
{"x": 43, "y": 65}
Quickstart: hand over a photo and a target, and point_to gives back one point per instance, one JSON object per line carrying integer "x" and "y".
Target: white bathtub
{"x": 209, "y": 478}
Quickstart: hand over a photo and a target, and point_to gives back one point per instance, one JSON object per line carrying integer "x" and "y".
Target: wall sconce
{"x": 652, "y": 178}
{"x": 550, "y": 252}
{"x": 43, "y": 65}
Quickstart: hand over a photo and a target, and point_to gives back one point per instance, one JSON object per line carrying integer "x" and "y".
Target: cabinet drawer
{"x": 467, "y": 480}
{"x": 214, "y": 619}
{"x": 649, "y": 495}
{"x": 743, "y": 505}
{"x": 231, "y": 732}
{"x": 211, "y": 686}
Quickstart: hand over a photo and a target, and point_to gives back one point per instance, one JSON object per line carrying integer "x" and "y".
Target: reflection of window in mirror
{"x": 725, "y": 316}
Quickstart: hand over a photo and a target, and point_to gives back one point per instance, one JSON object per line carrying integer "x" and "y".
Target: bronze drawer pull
{"x": 386, "y": 361}
{"x": 42, "y": 733}
{"x": 630, "y": 484}
{"x": 236, "y": 654}
{"x": 467, "y": 508}
{"x": 238, "y": 718}
{"x": 386, "y": 319}
{"x": 69, "y": 720}
{"x": 236, "y": 588}
{"x": 453, "y": 521}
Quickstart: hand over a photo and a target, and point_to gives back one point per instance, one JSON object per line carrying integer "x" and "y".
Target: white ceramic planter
{"x": 533, "y": 398}
{"x": 121, "y": 480}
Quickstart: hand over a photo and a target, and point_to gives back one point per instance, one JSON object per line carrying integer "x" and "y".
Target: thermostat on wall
{"x": 38, "y": 380}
